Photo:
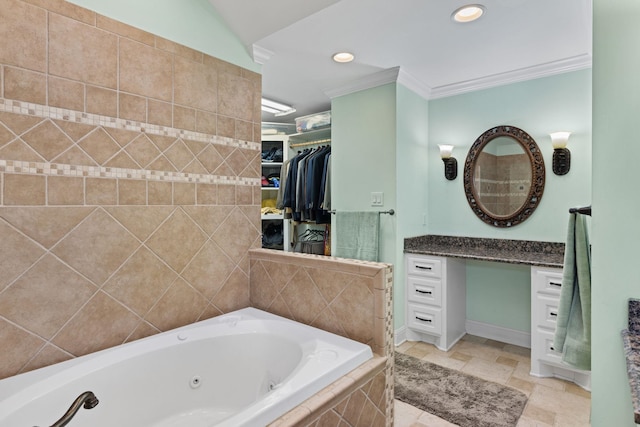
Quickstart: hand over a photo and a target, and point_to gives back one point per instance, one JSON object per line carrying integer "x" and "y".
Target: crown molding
{"x": 260, "y": 55}
{"x": 379, "y": 78}
{"x": 575, "y": 63}
{"x": 414, "y": 84}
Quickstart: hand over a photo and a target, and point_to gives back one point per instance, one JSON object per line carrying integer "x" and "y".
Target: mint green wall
{"x": 412, "y": 175}
{"x": 615, "y": 231}
{"x": 499, "y": 295}
{"x": 539, "y": 107}
{"x": 363, "y": 157}
{"x": 193, "y": 23}
{"x": 379, "y": 143}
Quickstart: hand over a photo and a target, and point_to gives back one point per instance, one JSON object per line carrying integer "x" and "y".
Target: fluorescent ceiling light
{"x": 343, "y": 57}
{"x": 276, "y": 108}
{"x": 468, "y": 13}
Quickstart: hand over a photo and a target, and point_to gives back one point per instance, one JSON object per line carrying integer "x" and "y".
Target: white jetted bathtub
{"x": 245, "y": 368}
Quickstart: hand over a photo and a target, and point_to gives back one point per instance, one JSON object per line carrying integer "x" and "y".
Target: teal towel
{"x": 357, "y": 235}
{"x": 573, "y": 332}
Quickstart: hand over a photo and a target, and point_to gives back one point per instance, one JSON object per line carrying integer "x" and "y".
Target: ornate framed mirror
{"x": 504, "y": 176}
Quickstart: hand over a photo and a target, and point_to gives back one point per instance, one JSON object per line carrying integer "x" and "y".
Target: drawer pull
{"x": 423, "y": 292}
{"x": 551, "y": 313}
{"x": 423, "y": 320}
{"x": 556, "y": 284}
{"x": 422, "y": 267}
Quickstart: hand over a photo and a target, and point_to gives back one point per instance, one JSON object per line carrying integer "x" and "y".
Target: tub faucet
{"x": 86, "y": 399}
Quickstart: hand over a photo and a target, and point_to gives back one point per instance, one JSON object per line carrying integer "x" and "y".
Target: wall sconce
{"x": 450, "y": 163}
{"x": 561, "y": 154}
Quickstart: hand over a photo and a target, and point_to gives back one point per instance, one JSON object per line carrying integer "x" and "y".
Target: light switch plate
{"x": 377, "y": 199}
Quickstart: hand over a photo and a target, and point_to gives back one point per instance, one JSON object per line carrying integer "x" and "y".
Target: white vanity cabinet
{"x": 436, "y": 299}
{"x": 545, "y": 298}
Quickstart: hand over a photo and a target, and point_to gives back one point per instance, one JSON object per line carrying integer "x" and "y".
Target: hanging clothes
{"x": 305, "y": 186}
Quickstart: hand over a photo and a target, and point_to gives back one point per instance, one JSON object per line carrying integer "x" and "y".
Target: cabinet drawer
{"x": 424, "y": 266}
{"x": 425, "y": 319}
{"x": 545, "y": 345}
{"x": 424, "y": 290}
{"x": 546, "y": 311}
{"x": 548, "y": 281}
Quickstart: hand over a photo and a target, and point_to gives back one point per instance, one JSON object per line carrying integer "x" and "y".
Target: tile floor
{"x": 552, "y": 402}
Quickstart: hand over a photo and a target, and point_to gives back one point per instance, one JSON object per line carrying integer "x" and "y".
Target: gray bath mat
{"x": 454, "y": 396}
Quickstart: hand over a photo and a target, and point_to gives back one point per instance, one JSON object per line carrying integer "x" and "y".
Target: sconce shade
{"x": 450, "y": 168}
{"x": 445, "y": 151}
{"x": 559, "y": 139}
{"x": 561, "y": 161}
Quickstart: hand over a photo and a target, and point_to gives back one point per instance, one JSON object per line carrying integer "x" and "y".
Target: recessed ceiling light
{"x": 343, "y": 57}
{"x": 468, "y": 13}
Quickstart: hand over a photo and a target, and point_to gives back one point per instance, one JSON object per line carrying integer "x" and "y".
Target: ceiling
{"x": 414, "y": 42}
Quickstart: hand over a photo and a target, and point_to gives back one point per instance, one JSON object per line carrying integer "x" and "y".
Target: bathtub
{"x": 245, "y": 368}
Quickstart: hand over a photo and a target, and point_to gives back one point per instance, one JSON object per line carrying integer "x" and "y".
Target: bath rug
{"x": 459, "y": 398}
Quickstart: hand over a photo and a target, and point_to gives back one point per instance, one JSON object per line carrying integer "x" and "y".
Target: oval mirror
{"x": 504, "y": 176}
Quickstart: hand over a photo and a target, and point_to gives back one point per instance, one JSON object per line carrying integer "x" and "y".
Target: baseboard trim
{"x": 400, "y": 335}
{"x": 498, "y": 333}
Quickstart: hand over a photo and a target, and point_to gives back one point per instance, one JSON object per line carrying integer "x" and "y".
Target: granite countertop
{"x": 631, "y": 342}
{"x": 544, "y": 254}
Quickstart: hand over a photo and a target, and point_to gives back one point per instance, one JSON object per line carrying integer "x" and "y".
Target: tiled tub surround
{"x": 347, "y": 297}
{"x": 129, "y": 191}
{"x": 543, "y": 254}
{"x": 631, "y": 343}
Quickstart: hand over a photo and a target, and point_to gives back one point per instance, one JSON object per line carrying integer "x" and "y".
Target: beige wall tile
{"x": 184, "y": 118}
{"x": 25, "y": 85}
{"x": 102, "y": 101}
{"x": 140, "y": 282}
{"x": 184, "y": 193}
{"x": 132, "y": 192}
{"x": 226, "y": 126}
{"x": 206, "y": 194}
{"x": 178, "y": 228}
{"x": 80, "y": 244}
{"x": 196, "y": 85}
{"x": 180, "y": 306}
{"x": 102, "y": 323}
{"x": 206, "y": 122}
{"x": 51, "y": 286}
{"x": 132, "y": 107}
{"x": 18, "y": 347}
{"x": 18, "y": 254}
{"x": 81, "y": 52}
{"x": 125, "y": 30}
{"x": 101, "y": 191}
{"x": 160, "y": 113}
{"x": 145, "y": 71}
{"x": 97, "y": 247}
{"x": 28, "y": 190}
{"x": 26, "y": 27}
{"x": 244, "y": 130}
{"x": 48, "y": 140}
{"x": 99, "y": 146}
{"x": 67, "y": 9}
{"x": 62, "y": 190}
{"x": 178, "y": 49}
{"x": 160, "y": 193}
{"x": 66, "y": 94}
{"x": 234, "y": 95}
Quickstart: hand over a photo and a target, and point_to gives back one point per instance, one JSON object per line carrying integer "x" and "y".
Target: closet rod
{"x": 390, "y": 212}
{"x": 586, "y": 210}
{"x": 304, "y": 144}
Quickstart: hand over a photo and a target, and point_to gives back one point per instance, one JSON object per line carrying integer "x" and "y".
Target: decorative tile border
{"x": 44, "y": 111}
{"x": 57, "y": 169}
